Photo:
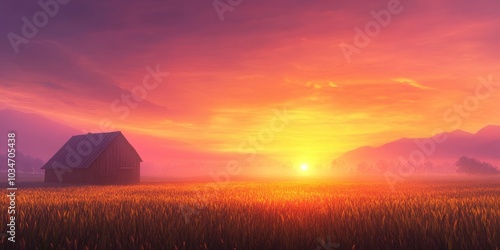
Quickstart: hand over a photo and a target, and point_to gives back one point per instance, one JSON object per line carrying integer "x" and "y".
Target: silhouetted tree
{"x": 467, "y": 165}
{"x": 25, "y": 163}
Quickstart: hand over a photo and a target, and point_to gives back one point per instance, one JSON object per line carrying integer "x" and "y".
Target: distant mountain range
{"x": 36, "y": 135}
{"x": 436, "y": 154}
{"x": 39, "y": 138}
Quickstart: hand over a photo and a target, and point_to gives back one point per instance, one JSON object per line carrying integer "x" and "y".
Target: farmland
{"x": 261, "y": 215}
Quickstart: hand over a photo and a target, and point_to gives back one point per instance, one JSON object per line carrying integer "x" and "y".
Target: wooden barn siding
{"x": 105, "y": 168}
{"x": 78, "y": 176}
{"x": 75, "y": 176}
{"x": 50, "y": 176}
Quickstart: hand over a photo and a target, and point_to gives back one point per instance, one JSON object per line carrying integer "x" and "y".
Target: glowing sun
{"x": 304, "y": 167}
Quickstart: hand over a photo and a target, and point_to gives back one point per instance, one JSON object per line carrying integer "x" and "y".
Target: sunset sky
{"x": 228, "y": 78}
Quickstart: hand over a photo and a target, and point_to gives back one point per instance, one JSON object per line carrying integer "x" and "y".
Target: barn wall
{"x": 50, "y": 176}
{"x": 118, "y": 164}
{"x": 77, "y": 176}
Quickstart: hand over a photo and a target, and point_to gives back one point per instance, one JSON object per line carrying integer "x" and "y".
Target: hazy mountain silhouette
{"x": 40, "y": 138}
{"x": 36, "y": 136}
{"x": 483, "y": 145}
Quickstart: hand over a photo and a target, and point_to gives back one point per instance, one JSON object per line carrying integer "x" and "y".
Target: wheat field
{"x": 239, "y": 215}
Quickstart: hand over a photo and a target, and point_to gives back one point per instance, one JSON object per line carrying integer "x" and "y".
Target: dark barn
{"x": 95, "y": 158}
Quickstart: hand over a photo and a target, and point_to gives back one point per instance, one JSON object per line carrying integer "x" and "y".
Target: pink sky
{"x": 226, "y": 77}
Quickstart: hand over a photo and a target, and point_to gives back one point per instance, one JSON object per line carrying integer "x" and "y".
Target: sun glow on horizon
{"x": 304, "y": 167}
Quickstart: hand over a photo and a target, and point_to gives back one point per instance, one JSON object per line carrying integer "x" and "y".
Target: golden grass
{"x": 432, "y": 215}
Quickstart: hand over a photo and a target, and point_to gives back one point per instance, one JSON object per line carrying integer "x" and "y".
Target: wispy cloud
{"x": 412, "y": 83}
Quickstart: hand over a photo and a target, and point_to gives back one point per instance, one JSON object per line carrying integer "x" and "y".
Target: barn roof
{"x": 87, "y": 147}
